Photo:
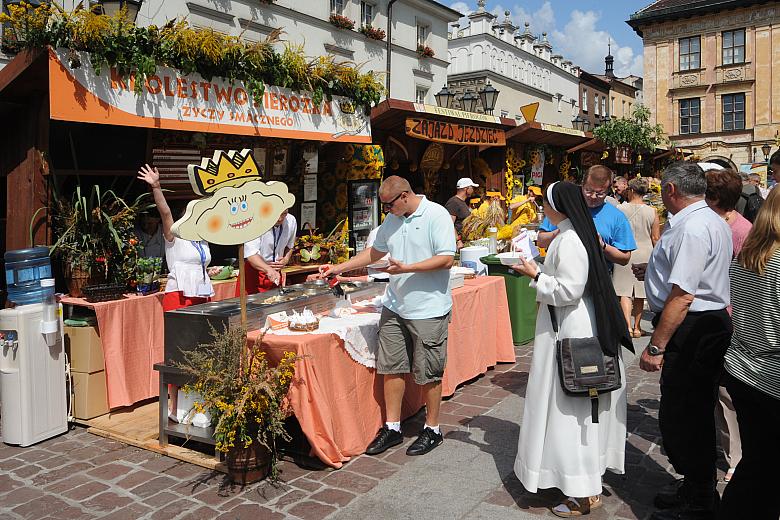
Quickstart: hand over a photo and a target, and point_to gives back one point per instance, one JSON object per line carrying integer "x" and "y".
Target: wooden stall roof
{"x": 26, "y": 74}
{"x": 390, "y": 115}
{"x": 552, "y": 135}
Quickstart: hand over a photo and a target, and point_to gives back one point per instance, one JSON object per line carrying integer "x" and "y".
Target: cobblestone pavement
{"x": 79, "y": 475}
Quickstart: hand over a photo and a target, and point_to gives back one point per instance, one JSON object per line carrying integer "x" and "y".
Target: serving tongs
{"x": 282, "y": 289}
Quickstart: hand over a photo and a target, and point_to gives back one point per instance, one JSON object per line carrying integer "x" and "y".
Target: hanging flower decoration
{"x": 565, "y": 168}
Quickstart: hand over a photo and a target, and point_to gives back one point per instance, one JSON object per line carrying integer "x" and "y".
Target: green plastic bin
{"x": 522, "y": 299}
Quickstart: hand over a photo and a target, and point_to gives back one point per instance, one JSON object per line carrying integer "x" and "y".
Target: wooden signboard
{"x": 454, "y": 133}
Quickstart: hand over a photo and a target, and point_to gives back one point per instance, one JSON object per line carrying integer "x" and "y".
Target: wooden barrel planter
{"x": 248, "y": 465}
{"x": 77, "y": 279}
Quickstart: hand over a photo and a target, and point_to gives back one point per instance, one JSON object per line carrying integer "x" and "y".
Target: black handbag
{"x": 583, "y": 367}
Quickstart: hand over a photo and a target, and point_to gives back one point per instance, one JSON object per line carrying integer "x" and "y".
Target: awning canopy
{"x": 552, "y": 135}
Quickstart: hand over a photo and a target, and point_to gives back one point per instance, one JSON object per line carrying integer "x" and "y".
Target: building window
{"x": 366, "y": 13}
{"x": 690, "y": 111}
{"x": 612, "y": 106}
{"x": 624, "y": 108}
{"x": 337, "y": 6}
{"x": 421, "y": 94}
{"x": 734, "y": 47}
{"x": 690, "y": 53}
{"x": 422, "y": 36}
{"x": 733, "y": 112}
{"x": 596, "y": 104}
{"x": 584, "y": 100}
{"x": 604, "y": 106}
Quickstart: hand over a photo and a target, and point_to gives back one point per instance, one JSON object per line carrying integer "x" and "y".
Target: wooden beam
{"x": 517, "y": 131}
{"x": 582, "y": 145}
{"x": 18, "y": 65}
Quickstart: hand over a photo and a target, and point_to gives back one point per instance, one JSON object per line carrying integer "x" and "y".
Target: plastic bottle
{"x": 50, "y": 315}
{"x": 24, "y": 270}
{"x": 493, "y": 240}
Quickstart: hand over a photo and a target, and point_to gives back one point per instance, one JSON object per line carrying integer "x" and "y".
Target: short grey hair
{"x": 687, "y": 177}
{"x": 744, "y": 176}
{"x": 754, "y": 177}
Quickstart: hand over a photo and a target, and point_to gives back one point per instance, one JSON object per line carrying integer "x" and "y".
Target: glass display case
{"x": 363, "y": 211}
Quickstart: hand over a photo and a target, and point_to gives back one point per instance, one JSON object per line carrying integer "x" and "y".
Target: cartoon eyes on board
{"x": 234, "y": 208}
{"x": 244, "y": 206}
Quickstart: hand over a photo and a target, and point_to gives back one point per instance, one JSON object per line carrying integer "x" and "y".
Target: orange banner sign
{"x": 454, "y": 133}
{"x": 172, "y": 101}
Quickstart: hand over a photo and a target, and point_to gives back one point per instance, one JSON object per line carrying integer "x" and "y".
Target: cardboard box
{"x": 90, "y": 397}
{"x": 84, "y": 349}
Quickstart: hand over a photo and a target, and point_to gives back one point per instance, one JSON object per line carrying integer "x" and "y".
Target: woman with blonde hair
{"x": 752, "y": 365}
{"x": 647, "y": 230}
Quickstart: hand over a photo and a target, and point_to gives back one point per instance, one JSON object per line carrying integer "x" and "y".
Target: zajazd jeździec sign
{"x": 454, "y": 133}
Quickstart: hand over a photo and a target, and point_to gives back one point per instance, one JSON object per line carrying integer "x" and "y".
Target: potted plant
{"x": 423, "y": 51}
{"x": 342, "y": 22}
{"x": 372, "y": 32}
{"x": 147, "y": 271}
{"x": 632, "y": 134}
{"x": 246, "y": 397}
{"x": 95, "y": 238}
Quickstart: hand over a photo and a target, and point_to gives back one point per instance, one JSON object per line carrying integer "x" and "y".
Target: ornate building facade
{"x": 710, "y": 75}
{"x": 522, "y": 66}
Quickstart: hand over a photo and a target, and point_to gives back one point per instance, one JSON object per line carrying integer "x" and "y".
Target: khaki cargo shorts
{"x": 418, "y": 347}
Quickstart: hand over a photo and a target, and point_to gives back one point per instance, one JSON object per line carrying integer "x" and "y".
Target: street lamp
{"x": 576, "y": 123}
{"x": 766, "y": 149}
{"x": 112, "y": 7}
{"x": 585, "y": 124}
{"x": 488, "y": 96}
{"x": 469, "y": 101}
{"x": 445, "y": 98}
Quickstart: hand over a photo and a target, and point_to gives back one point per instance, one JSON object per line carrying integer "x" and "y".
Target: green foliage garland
{"x": 115, "y": 41}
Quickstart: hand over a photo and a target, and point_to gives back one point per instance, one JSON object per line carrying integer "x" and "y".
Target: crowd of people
{"x": 710, "y": 278}
{"x": 708, "y": 268}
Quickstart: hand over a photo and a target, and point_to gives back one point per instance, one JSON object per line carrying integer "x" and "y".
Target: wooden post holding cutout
{"x": 242, "y": 281}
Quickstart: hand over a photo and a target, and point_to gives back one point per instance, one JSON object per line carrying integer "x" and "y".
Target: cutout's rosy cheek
{"x": 214, "y": 223}
{"x": 265, "y": 209}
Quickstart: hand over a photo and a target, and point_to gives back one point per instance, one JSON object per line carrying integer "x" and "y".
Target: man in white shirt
{"x": 266, "y": 255}
{"x": 687, "y": 286}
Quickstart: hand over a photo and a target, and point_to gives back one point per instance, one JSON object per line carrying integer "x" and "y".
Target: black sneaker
{"x": 385, "y": 438}
{"x": 427, "y": 440}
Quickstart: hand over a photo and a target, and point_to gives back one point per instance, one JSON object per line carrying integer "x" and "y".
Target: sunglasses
{"x": 387, "y": 205}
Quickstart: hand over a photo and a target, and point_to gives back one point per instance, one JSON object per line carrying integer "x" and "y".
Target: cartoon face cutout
{"x": 234, "y": 215}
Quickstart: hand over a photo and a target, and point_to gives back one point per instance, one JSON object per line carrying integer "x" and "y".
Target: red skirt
{"x": 256, "y": 281}
{"x": 176, "y": 300}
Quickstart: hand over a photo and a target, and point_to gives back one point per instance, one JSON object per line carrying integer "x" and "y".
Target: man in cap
{"x": 457, "y": 206}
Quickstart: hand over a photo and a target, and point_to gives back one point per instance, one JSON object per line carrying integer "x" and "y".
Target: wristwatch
{"x": 655, "y": 351}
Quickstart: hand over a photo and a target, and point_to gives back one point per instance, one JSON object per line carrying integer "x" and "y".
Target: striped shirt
{"x": 754, "y": 354}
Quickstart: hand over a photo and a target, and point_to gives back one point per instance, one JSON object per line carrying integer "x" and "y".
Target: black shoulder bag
{"x": 583, "y": 367}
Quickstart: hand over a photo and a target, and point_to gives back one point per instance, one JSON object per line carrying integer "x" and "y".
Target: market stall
{"x": 338, "y": 398}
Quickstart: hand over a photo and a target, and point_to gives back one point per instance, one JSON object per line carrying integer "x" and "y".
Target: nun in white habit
{"x": 560, "y": 446}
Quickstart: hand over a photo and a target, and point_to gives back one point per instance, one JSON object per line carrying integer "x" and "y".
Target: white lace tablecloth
{"x": 359, "y": 332}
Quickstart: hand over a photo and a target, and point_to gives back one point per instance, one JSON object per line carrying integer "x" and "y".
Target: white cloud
{"x": 579, "y": 40}
{"x": 584, "y": 44}
{"x": 465, "y": 9}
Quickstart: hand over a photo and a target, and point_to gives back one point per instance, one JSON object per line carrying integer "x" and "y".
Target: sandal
{"x": 577, "y": 507}
{"x": 637, "y": 333}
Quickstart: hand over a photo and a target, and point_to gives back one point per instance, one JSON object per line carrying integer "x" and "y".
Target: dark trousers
{"x": 693, "y": 365}
{"x": 752, "y": 491}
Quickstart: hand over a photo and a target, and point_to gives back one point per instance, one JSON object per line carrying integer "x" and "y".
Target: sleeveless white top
{"x": 185, "y": 270}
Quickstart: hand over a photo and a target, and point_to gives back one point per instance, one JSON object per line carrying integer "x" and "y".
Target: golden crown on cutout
{"x": 231, "y": 168}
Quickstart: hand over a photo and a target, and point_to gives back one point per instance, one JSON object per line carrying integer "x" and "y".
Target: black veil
{"x": 611, "y": 325}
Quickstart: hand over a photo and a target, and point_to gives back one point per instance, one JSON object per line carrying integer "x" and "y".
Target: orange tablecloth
{"x": 132, "y": 334}
{"x": 339, "y": 402}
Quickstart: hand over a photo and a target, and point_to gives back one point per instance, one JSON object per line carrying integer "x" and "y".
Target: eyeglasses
{"x": 388, "y": 205}
{"x": 591, "y": 193}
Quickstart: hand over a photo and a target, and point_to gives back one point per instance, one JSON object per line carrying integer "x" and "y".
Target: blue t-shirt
{"x": 611, "y": 224}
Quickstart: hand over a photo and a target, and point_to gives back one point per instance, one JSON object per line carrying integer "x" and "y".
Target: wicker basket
{"x": 77, "y": 279}
{"x": 104, "y": 292}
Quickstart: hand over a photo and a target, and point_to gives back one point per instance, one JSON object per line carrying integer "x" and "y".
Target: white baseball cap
{"x": 465, "y": 182}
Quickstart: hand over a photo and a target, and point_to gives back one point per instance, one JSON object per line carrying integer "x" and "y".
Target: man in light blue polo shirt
{"x": 419, "y": 236}
{"x": 613, "y": 227}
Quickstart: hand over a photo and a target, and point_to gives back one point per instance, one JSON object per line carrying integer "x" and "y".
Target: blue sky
{"x": 578, "y": 29}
